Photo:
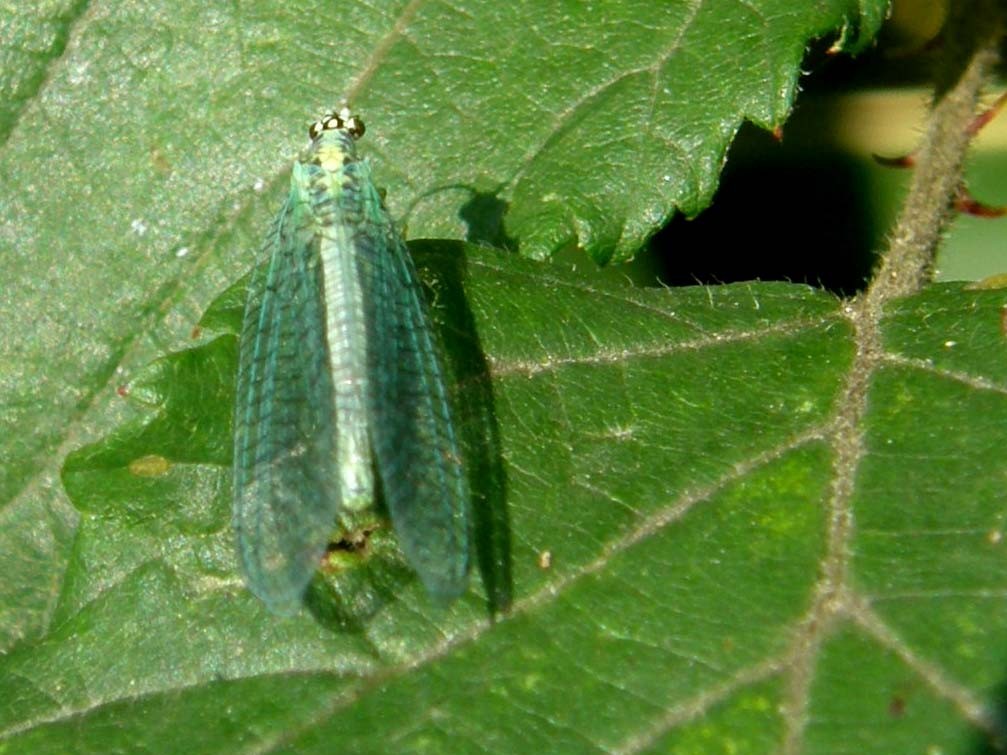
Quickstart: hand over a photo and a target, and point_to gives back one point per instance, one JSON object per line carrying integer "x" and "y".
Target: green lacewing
{"x": 340, "y": 388}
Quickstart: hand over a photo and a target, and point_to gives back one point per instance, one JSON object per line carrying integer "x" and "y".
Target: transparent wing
{"x": 414, "y": 440}
{"x": 286, "y": 493}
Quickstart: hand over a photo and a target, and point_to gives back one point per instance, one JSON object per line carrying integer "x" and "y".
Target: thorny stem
{"x": 971, "y": 37}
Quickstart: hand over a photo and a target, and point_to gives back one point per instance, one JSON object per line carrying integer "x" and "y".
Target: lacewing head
{"x": 333, "y": 140}
{"x": 337, "y": 121}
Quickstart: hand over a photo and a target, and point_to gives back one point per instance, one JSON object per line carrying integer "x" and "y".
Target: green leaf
{"x": 664, "y": 500}
{"x": 674, "y": 453}
{"x": 146, "y": 145}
